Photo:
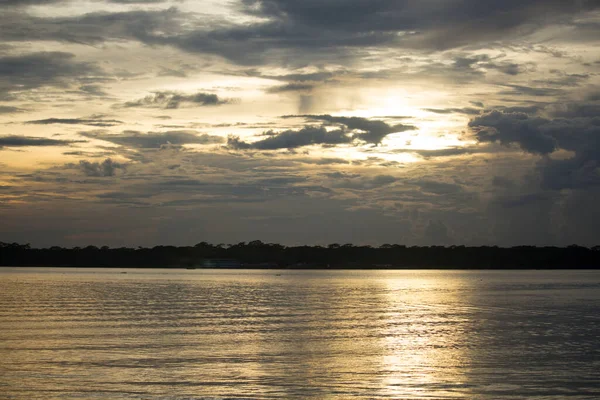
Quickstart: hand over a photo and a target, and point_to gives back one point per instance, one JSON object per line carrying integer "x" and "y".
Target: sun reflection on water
{"x": 423, "y": 337}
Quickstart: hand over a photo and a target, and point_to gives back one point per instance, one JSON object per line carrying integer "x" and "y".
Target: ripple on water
{"x": 374, "y": 334}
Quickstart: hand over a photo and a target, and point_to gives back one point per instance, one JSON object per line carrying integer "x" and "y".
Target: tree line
{"x": 257, "y": 254}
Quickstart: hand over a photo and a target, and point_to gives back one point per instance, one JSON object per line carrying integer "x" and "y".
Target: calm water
{"x": 208, "y": 334}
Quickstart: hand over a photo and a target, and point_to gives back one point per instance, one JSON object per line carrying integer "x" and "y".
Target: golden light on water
{"x": 424, "y": 336}
{"x": 292, "y": 334}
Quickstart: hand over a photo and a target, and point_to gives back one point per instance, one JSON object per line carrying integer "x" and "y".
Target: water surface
{"x": 216, "y": 334}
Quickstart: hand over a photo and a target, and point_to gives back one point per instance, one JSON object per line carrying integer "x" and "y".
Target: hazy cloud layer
{"x": 26, "y": 141}
{"x": 10, "y": 110}
{"x": 416, "y": 122}
{"x": 40, "y": 69}
{"x": 154, "y": 140}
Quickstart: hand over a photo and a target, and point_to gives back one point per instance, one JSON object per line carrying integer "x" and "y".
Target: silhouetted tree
{"x": 257, "y": 254}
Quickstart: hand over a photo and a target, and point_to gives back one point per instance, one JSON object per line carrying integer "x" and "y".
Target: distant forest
{"x": 257, "y": 254}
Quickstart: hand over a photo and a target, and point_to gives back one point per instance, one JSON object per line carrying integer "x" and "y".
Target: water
{"x": 209, "y": 334}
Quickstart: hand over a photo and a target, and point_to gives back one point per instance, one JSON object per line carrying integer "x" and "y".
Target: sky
{"x": 417, "y": 122}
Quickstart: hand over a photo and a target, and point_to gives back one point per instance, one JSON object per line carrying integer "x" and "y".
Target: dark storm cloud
{"x": 349, "y": 129}
{"x": 371, "y": 131}
{"x": 292, "y": 139}
{"x": 27, "y": 141}
{"x": 96, "y": 169}
{"x": 77, "y": 121}
{"x": 91, "y": 28}
{"x": 438, "y": 25}
{"x": 514, "y": 128}
{"x": 310, "y": 29}
{"x": 173, "y": 100}
{"x": 154, "y": 140}
{"x": 575, "y": 110}
{"x": 378, "y": 15}
{"x": 274, "y": 41}
{"x": 580, "y": 135}
{"x": 36, "y": 70}
{"x": 579, "y": 172}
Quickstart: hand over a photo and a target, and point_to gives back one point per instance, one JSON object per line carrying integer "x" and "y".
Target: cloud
{"x": 36, "y": 70}
{"x": 441, "y": 188}
{"x": 137, "y": 1}
{"x": 104, "y": 169}
{"x": 358, "y": 182}
{"x": 517, "y": 201}
{"x": 291, "y": 87}
{"x": 531, "y": 91}
{"x": 518, "y": 128}
{"x": 575, "y": 109}
{"x": 478, "y": 63}
{"x": 91, "y": 28}
{"x": 448, "y": 152}
{"x": 503, "y": 182}
{"x": 10, "y": 110}
{"x": 534, "y": 109}
{"x": 77, "y": 121}
{"x": 465, "y": 110}
{"x": 297, "y": 78}
{"x": 579, "y": 172}
{"x": 173, "y": 100}
{"x": 338, "y": 26}
{"x": 291, "y": 139}
{"x": 349, "y": 129}
{"x": 537, "y": 135}
{"x": 155, "y": 140}
{"x": 28, "y": 2}
{"x": 369, "y": 131}
{"x": 28, "y": 141}
{"x": 93, "y": 90}
{"x": 314, "y": 30}
{"x": 383, "y": 15}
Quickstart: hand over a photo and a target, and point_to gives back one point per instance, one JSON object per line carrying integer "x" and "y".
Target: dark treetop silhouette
{"x": 257, "y": 254}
